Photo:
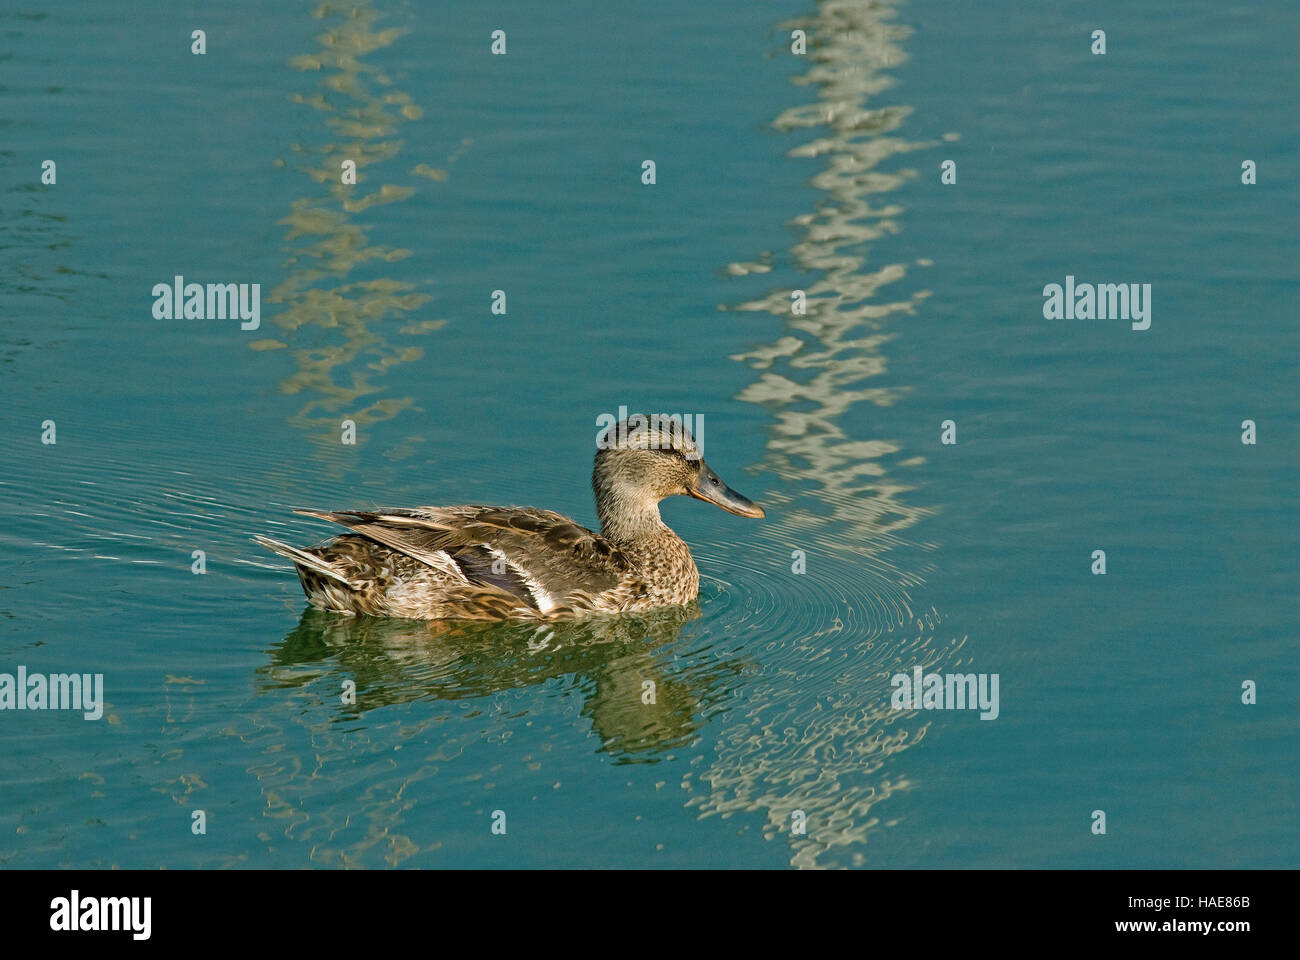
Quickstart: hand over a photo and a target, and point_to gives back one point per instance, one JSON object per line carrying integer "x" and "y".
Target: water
{"x": 521, "y": 173}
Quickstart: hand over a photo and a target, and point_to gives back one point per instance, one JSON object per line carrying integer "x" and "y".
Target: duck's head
{"x": 642, "y": 460}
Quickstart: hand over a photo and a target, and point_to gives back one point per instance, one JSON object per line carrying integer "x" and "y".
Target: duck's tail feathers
{"x": 302, "y": 558}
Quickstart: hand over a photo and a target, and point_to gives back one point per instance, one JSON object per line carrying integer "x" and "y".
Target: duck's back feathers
{"x": 491, "y": 561}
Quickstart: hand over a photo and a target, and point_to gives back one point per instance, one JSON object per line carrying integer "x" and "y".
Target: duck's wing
{"x": 542, "y": 557}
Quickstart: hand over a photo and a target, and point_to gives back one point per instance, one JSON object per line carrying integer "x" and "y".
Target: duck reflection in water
{"x": 642, "y": 698}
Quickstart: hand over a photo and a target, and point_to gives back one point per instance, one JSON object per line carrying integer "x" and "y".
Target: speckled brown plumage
{"x": 499, "y": 563}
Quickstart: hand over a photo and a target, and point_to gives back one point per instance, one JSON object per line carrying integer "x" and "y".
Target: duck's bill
{"x": 711, "y": 489}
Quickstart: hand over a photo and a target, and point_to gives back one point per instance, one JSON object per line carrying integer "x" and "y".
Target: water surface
{"x": 775, "y": 172}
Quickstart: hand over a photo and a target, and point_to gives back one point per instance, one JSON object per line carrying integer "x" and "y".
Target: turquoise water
{"x": 522, "y": 173}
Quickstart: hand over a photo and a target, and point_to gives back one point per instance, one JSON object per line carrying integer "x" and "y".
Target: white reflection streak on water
{"x": 327, "y": 240}
{"x": 833, "y": 756}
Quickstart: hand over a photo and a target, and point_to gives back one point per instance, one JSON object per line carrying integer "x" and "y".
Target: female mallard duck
{"x": 501, "y": 563}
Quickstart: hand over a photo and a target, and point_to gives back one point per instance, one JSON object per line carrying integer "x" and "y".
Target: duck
{"x": 522, "y": 563}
